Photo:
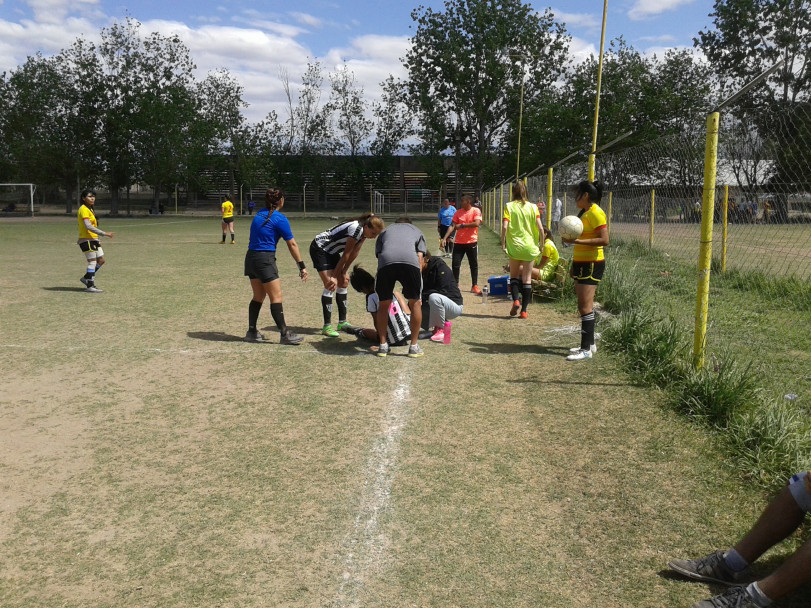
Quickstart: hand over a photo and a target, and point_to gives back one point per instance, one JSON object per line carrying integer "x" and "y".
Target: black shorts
{"x": 409, "y": 276}
{"x": 323, "y": 260}
{"x": 228, "y": 220}
{"x": 588, "y": 273}
{"x": 89, "y": 246}
{"x": 261, "y": 265}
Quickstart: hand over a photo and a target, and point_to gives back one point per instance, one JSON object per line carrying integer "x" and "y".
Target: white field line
{"x": 365, "y": 547}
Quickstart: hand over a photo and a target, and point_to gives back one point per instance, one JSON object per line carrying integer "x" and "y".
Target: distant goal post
{"x": 17, "y": 199}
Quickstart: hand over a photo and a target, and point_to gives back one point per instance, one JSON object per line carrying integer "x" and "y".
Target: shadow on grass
{"x": 77, "y": 289}
{"x": 213, "y": 336}
{"x": 503, "y": 348}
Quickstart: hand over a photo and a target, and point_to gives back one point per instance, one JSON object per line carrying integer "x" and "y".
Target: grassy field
{"x": 151, "y": 458}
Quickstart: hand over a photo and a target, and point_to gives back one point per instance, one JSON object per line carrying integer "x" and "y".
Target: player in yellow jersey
{"x": 227, "y": 220}
{"x": 89, "y": 233}
{"x": 588, "y": 262}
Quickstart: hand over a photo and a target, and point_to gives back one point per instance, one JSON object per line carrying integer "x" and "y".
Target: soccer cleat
{"x": 290, "y": 338}
{"x": 329, "y": 331}
{"x": 475, "y": 289}
{"x": 576, "y": 349}
{"x": 439, "y": 336}
{"x": 345, "y": 326}
{"x": 515, "y": 308}
{"x": 524, "y": 314}
{"x": 415, "y": 351}
{"x": 222, "y": 242}
{"x": 382, "y": 350}
{"x": 254, "y": 335}
{"x": 579, "y": 355}
{"x": 233, "y": 242}
{"x": 710, "y": 569}
{"x": 84, "y": 282}
{"x": 93, "y": 289}
{"x": 735, "y": 597}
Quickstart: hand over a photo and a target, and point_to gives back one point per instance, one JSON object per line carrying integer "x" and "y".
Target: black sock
{"x": 340, "y": 299}
{"x": 587, "y": 331}
{"x": 277, "y": 312}
{"x": 515, "y": 288}
{"x": 326, "y": 308}
{"x": 253, "y": 313}
{"x": 232, "y": 237}
{"x": 526, "y": 292}
{"x": 223, "y": 237}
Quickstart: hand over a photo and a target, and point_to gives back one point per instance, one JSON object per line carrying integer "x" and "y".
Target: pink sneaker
{"x": 439, "y": 336}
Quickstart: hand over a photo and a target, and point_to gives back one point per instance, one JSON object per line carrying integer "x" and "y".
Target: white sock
{"x": 761, "y": 599}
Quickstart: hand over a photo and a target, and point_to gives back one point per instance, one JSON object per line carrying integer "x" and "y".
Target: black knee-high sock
{"x": 340, "y": 300}
{"x": 587, "y": 331}
{"x": 277, "y": 312}
{"x": 515, "y": 288}
{"x": 526, "y": 293}
{"x": 326, "y": 308}
{"x": 253, "y": 313}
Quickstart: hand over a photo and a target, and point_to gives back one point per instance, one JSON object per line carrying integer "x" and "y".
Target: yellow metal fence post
{"x": 705, "y": 253}
{"x": 724, "y": 231}
{"x": 549, "y": 205}
{"x": 652, "y": 214}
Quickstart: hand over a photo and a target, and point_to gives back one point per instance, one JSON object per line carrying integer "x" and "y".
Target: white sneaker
{"x": 576, "y": 349}
{"x": 580, "y": 355}
{"x": 91, "y": 289}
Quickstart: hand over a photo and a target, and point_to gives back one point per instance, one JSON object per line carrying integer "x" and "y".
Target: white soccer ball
{"x": 570, "y": 227}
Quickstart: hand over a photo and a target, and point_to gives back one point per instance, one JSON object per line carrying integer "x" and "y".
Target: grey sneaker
{"x": 415, "y": 351}
{"x": 93, "y": 289}
{"x": 382, "y": 350}
{"x": 735, "y": 597}
{"x": 84, "y": 281}
{"x": 710, "y": 569}
{"x": 290, "y": 338}
{"x": 254, "y": 335}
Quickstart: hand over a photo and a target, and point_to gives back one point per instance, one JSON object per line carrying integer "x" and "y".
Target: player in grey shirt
{"x": 399, "y": 250}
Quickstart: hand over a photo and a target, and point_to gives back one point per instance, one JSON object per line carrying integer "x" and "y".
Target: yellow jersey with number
{"x": 86, "y": 212}
{"x": 228, "y": 209}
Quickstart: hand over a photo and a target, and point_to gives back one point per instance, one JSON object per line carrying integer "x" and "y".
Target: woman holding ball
{"x": 588, "y": 262}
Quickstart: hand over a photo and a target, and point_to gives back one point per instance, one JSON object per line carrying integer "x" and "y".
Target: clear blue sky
{"x": 254, "y": 40}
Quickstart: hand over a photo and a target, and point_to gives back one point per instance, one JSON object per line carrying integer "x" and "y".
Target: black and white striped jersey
{"x": 333, "y": 241}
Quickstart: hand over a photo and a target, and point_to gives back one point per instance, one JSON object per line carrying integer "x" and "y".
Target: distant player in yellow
{"x": 89, "y": 233}
{"x": 227, "y": 220}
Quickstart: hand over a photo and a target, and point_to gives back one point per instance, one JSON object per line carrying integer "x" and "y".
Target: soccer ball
{"x": 570, "y": 227}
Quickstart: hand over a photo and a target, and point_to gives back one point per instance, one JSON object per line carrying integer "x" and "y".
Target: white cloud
{"x": 308, "y": 20}
{"x": 55, "y": 11}
{"x": 578, "y": 20}
{"x": 664, "y": 39}
{"x": 645, "y": 9}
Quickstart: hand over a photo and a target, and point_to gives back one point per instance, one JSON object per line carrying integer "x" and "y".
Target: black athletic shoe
{"x": 290, "y": 338}
{"x": 710, "y": 569}
{"x": 254, "y": 335}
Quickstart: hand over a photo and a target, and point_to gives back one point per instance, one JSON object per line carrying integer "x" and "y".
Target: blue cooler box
{"x": 498, "y": 285}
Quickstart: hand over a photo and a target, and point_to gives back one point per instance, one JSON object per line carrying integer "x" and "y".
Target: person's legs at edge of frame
{"x": 778, "y": 521}
{"x": 384, "y": 288}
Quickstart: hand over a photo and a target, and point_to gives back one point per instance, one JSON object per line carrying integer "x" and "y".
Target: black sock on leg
{"x": 277, "y": 312}
{"x": 253, "y": 313}
{"x": 526, "y": 293}
{"x": 587, "y": 331}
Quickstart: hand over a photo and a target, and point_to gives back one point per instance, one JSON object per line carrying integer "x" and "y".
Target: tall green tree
{"x": 469, "y": 63}
{"x": 750, "y": 36}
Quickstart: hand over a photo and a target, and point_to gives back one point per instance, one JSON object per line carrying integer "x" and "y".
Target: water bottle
{"x": 447, "y": 333}
{"x": 485, "y": 292}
